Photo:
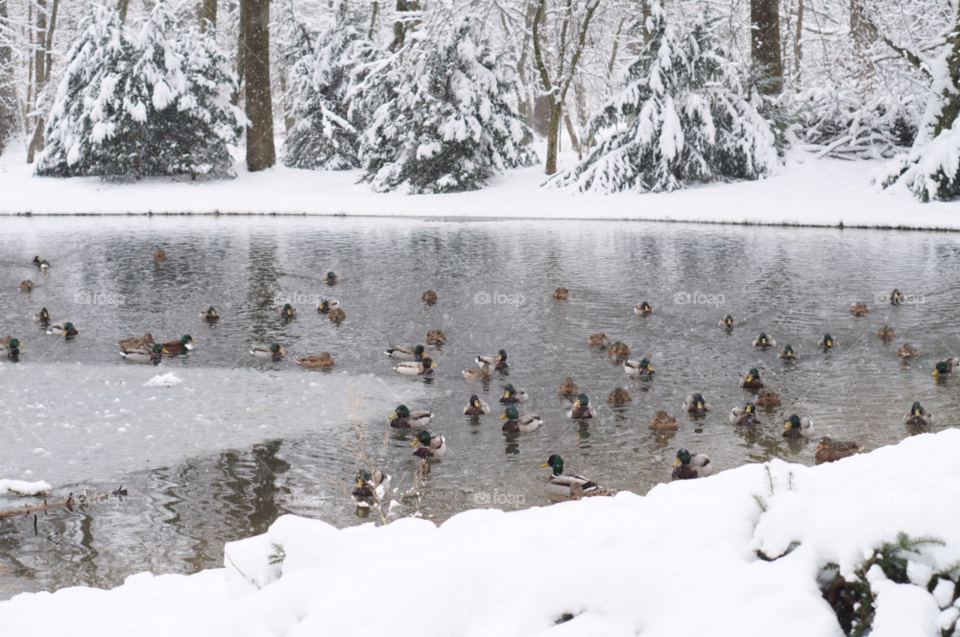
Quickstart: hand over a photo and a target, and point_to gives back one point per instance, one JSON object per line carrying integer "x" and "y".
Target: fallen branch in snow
{"x": 69, "y": 502}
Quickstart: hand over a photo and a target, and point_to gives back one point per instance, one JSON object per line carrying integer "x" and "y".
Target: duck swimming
{"x": 416, "y": 368}
{"x": 65, "y": 329}
{"x": 210, "y": 315}
{"x": 565, "y": 485}
{"x": 10, "y": 348}
{"x": 829, "y": 450}
{"x": 946, "y": 366}
{"x": 746, "y": 415}
{"x": 764, "y": 341}
{"x": 147, "y": 354}
{"x": 919, "y": 416}
{"x": 752, "y": 380}
{"x": 331, "y": 279}
{"x": 430, "y": 446}
{"x": 797, "y": 427}
{"x": 638, "y": 368}
{"x": 662, "y": 421}
{"x": 175, "y": 348}
{"x": 272, "y": 352}
{"x": 403, "y": 418}
{"x": 695, "y": 404}
{"x": 582, "y": 409}
{"x": 727, "y": 321}
{"x": 691, "y": 467}
{"x": 498, "y": 362}
{"x": 519, "y": 424}
{"x": 788, "y": 354}
{"x": 369, "y": 485}
{"x": 314, "y": 361}
{"x": 476, "y": 407}
{"x": 643, "y": 309}
{"x": 513, "y": 395}
{"x": 42, "y": 317}
{"x": 405, "y": 352}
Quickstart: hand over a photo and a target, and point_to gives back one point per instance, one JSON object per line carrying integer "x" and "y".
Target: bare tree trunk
{"x": 404, "y": 24}
{"x": 765, "y": 44}
{"x": 863, "y": 32}
{"x": 208, "y": 15}
{"x": 122, "y": 6}
{"x": 39, "y": 80}
{"x": 241, "y": 49}
{"x": 9, "y": 115}
{"x": 373, "y": 20}
{"x": 950, "y": 112}
{"x": 798, "y": 41}
{"x": 261, "y": 153}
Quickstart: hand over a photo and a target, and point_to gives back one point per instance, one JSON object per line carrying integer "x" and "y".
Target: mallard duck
{"x": 184, "y": 345}
{"x": 563, "y": 485}
{"x": 473, "y": 373}
{"x": 788, "y": 354}
{"x": 662, "y": 421}
{"x": 159, "y": 254}
{"x": 643, "y": 309}
{"x": 886, "y": 332}
{"x": 288, "y": 312}
{"x": 431, "y": 446}
{"x": 498, "y": 362}
{"x": 429, "y": 297}
{"x": 513, "y": 395}
{"x": 859, "y": 309}
{"x": 326, "y": 305}
{"x": 695, "y": 404}
{"x": 727, "y": 321}
{"x": 26, "y": 285}
{"x": 895, "y": 297}
{"x": 919, "y": 416}
{"x": 829, "y": 449}
{"x": 582, "y": 409}
{"x": 435, "y": 336}
{"x": 369, "y": 485}
{"x": 403, "y": 418}
{"x": 767, "y": 398}
{"x": 476, "y": 407}
{"x": 337, "y": 316}
{"x": 598, "y": 339}
{"x": 618, "y": 396}
{"x": 746, "y": 415}
{"x": 147, "y": 354}
{"x": 638, "y": 368}
{"x": 42, "y": 317}
{"x": 577, "y": 492}
{"x": 907, "y": 351}
{"x": 519, "y": 424}
{"x": 568, "y": 387}
{"x": 331, "y": 279}
{"x": 10, "y": 348}
{"x": 752, "y": 380}
{"x": 797, "y": 427}
{"x": 43, "y": 264}
{"x": 561, "y": 294}
{"x": 764, "y": 341}
{"x": 210, "y": 315}
{"x": 63, "y": 329}
{"x": 323, "y": 359}
{"x": 272, "y": 352}
{"x": 689, "y": 467}
{"x": 416, "y": 368}
{"x": 405, "y": 352}
{"x": 618, "y": 349}
{"x": 827, "y": 342}
{"x": 946, "y": 366}
{"x": 136, "y": 342}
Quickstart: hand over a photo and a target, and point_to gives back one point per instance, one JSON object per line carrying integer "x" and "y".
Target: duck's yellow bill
{"x": 416, "y": 441}
{"x": 676, "y": 462}
{"x": 502, "y": 416}
{"x": 545, "y": 464}
{"x": 280, "y": 351}
{"x": 433, "y": 364}
{"x": 393, "y": 415}
{"x": 576, "y": 404}
{"x": 359, "y": 482}
{"x": 935, "y": 373}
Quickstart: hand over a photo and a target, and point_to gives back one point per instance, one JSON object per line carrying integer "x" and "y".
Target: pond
{"x": 238, "y": 441}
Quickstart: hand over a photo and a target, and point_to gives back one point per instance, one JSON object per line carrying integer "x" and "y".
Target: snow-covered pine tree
{"x": 325, "y": 135}
{"x": 684, "y": 116}
{"x": 444, "y": 115}
{"x": 931, "y": 170}
{"x": 135, "y": 104}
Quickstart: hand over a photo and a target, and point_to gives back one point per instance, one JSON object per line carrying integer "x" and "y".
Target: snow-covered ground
{"x": 805, "y": 191}
{"x": 681, "y": 560}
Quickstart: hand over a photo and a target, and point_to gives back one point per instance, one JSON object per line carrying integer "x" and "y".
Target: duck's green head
{"x": 917, "y": 409}
{"x": 422, "y": 438}
{"x": 508, "y": 390}
{"x": 895, "y": 296}
{"x": 362, "y": 477}
{"x": 276, "y": 349}
{"x": 186, "y": 338}
{"x": 753, "y": 374}
{"x": 793, "y": 423}
{"x": 788, "y": 350}
{"x": 157, "y": 348}
{"x": 556, "y": 462}
{"x": 36, "y": 259}
{"x": 749, "y": 408}
{"x": 683, "y": 457}
{"x": 698, "y": 401}
{"x": 474, "y": 400}
{"x": 502, "y": 355}
{"x": 401, "y": 412}
{"x": 44, "y": 314}
{"x": 287, "y": 310}
{"x": 582, "y": 401}
{"x": 418, "y": 351}
{"x": 330, "y": 277}
{"x": 324, "y": 305}
{"x": 728, "y": 320}
{"x": 763, "y": 339}
{"x": 14, "y": 343}
{"x": 68, "y": 326}
{"x": 827, "y": 340}
{"x": 645, "y": 307}
{"x": 645, "y": 364}
{"x": 941, "y": 368}
{"x": 510, "y": 413}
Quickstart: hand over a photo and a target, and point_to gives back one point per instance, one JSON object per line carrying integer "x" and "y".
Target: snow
{"x": 680, "y": 559}
{"x": 163, "y": 380}
{"x": 21, "y": 487}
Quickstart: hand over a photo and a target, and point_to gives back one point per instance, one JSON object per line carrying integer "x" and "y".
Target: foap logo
{"x": 496, "y": 498}
{"x": 698, "y": 298}
{"x": 899, "y": 298}
{"x": 496, "y": 298}
{"x": 298, "y": 499}
{"x": 282, "y": 297}
{"x": 99, "y": 298}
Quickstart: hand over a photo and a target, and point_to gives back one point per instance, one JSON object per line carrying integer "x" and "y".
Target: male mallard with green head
{"x": 746, "y": 415}
{"x": 638, "y": 368}
{"x": 326, "y": 305}
{"x": 788, "y": 354}
{"x": 513, "y": 395}
{"x": 643, "y": 309}
{"x": 727, "y": 321}
{"x": 695, "y": 404}
{"x": 405, "y": 352}
{"x": 689, "y": 466}
{"x": 752, "y": 380}
{"x": 268, "y": 352}
{"x": 403, "y": 418}
{"x": 519, "y": 424}
{"x": 369, "y": 485}
{"x": 498, "y": 362}
{"x": 331, "y": 279}
{"x": 827, "y": 342}
{"x": 763, "y": 341}
{"x": 476, "y": 407}
{"x": 429, "y": 446}
{"x": 210, "y": 315}
{"x": 288, "y": 312}
{"x": 43, "y": 264}
{"x": 42, "y": 317}
{"x": 582, "y": 409}
{"x": 563, "y": 485}
{"x": 416, "y": 368}
{"x": 946, "y": 366}
{"x": 149, "y": 354}
{"x": 829, "y": 450}
{"x": 895, "y": 297}
{"x": 63, "y": 329}
{"x": 919, "y": 416}
{"x": 10, "y": 348}
{"x": 175, "y": 348}
{"x": 797, "y": 427}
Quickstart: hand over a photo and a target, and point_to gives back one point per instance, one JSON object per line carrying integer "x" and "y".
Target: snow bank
{"x": 681, "y": 560}
{"x": 21, "y": 487}
{"x": 163, "y": 380}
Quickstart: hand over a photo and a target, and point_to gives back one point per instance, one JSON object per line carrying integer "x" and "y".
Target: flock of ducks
{"x": 414, "y": 361}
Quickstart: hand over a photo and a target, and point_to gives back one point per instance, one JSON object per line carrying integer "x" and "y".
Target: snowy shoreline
{"x": 805, "y": 193}
{"x": 744, "y": 552}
